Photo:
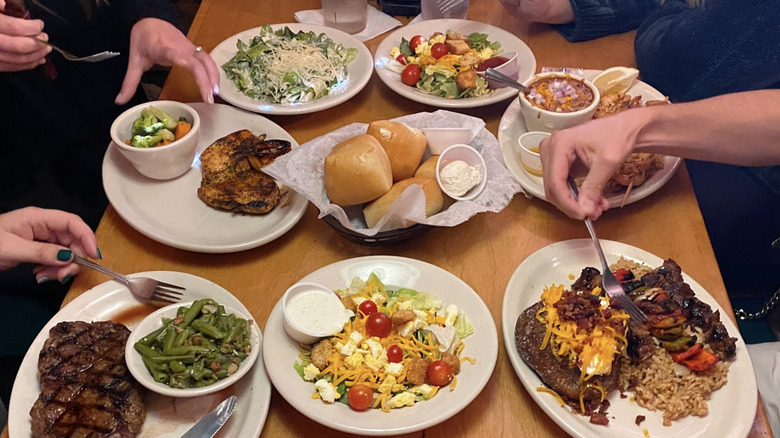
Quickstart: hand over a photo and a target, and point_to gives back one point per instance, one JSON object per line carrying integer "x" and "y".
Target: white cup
{"x": 347, "y": 15}
{"x": 431, "y": 9}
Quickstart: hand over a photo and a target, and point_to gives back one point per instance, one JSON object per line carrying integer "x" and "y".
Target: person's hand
{"x": 541, "y": 11}
{"x": 154, "y": 41}
{"x": 18, "y": 51}
{"x": 601, "y": 146}
{"x": 47, "y": 237}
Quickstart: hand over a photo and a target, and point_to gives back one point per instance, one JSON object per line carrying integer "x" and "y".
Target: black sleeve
{"x": 597, "y": 18}
{"x": 722, "y": 46}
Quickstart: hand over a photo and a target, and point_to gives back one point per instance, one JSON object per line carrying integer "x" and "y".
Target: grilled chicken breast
{"x": 232, "y": 179}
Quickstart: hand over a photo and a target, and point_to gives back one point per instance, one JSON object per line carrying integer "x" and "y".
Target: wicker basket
{"x": 382, "y": 238}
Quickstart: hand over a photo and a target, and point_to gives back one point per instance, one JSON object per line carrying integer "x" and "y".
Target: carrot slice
{"x": 182, "y": 128}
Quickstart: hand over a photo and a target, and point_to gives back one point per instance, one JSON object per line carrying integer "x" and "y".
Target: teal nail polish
{"x": 64, "y": 255}
{"x": 66, "y": 278}
{"x": 100, "y": 255}
{"x": 42, "y": 280}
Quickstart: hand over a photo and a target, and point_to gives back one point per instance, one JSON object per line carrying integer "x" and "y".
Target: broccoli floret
{"x": 150, "y": 141}
{"x": 146, "y": 141}
{"x": 168, "y": 121}
{"x": 147, "y": 124}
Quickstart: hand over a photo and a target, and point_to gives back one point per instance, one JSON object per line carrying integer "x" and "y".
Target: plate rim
{"x": 364, "y": 59}
{"x": 501, "y": 95}
{"x": 100, "y": 296}
{"x": 113, "y": 177}
{"x": 532, "y": 185}
{"x": 274, "y": 328}
{"x": 561, "y": 415}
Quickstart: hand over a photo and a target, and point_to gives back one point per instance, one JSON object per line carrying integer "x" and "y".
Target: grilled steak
{"x": 232, "y": 179}
{"x": 555, "y": 371}
{"x": 86, "y": 388}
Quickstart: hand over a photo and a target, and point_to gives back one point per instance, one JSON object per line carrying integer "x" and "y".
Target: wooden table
{"x": 484, "y": 251}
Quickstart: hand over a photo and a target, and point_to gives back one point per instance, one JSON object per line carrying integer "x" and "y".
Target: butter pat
{"x": 457, "y": 177}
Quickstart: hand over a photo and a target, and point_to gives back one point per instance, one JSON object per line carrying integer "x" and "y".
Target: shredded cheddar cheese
{"x": 592, "y": 350}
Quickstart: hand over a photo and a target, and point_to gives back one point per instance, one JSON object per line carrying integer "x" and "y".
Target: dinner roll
{"x": 357, "y": 170}
{"x": 404, "y": 145}
{"x": 428, "y": 168}
{"x": 434, "y": 199}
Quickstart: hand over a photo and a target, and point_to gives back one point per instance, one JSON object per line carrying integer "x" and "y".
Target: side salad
{"x": 400, "y": 348}
{"x": 288, "y": 67}
{"x": 444, "y": 65}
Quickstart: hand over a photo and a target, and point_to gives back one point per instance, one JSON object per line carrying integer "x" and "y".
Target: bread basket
{"x": 382, "y": 238}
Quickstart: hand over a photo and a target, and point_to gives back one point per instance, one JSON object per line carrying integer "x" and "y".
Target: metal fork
{"x": 71, "y": 57}
{"x": 445, "y": 6}
{"x": 611, "y": 284}
{"x": 497, "y": 76}
{"x": 146, "y": 289}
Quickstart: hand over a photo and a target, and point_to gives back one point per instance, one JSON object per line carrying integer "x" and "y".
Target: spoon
{"x": 495, "y": 75}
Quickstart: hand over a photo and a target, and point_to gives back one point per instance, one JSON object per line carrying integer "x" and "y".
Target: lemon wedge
{"x": 615, "y": 79}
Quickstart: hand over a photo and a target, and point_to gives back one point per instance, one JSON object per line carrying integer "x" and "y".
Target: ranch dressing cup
{"x": 347, "y": 15}
{"x": 312, "y": 312}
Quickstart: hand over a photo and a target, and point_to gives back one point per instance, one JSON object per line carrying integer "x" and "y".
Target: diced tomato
{"x": 621, "y": 273}
{"x": 401, "y": 59}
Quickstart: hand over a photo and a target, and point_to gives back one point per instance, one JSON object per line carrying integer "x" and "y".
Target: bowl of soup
{"x": 557, "y": 101}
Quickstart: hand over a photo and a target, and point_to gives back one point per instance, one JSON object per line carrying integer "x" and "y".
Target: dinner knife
{"x": 209, "y": 425}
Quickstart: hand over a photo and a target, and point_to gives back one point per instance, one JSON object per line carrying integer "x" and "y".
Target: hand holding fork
{"x": 144, "y": 288}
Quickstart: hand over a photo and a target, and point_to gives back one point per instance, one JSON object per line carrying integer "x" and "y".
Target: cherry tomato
{"x": 439, "y": 373}
{"x": 416, "y": 41}
{"x": 367, "y": 307}
{"x": 438, "y": 50}
{"x": 395, "y": 354}
{"x": 401, "y": 58}
{"x": 378, "y": 324}
{"x": 360, "y": 397}
{"x": 411, "y": 74}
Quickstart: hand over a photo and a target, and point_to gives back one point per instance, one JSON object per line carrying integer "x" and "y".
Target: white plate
{"x": 509, "y": 43}
{"x": 282, "y": 351}
{"x": 358, "y": 72}
{"x": 170, "y": 211}
{"x": 512, "y": 126}
{"x": 166, "y": 417}
{"x": 732, "y": 408}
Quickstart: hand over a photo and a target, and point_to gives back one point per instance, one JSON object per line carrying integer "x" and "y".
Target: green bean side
{"x": 200, "y": 346}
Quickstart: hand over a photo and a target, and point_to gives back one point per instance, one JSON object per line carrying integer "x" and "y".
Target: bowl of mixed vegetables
{"x": 192, "y": 349}
{"x": 158, "y": 138}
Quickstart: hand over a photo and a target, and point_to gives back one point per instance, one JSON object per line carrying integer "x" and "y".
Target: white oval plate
{"x": 358, "y": 72}
{"x": 166, "y": 417}
{"x": 732, "y": 408}
{"x": 282, "y": 351}
{"x": 509, "y": 43}
{"x": 512, "y": 126}
{"x": 170, "y": 211}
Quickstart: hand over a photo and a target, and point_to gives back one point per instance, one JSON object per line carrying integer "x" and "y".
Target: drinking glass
{"x": 347, "y": 15}
{"x": 430, "y": 10}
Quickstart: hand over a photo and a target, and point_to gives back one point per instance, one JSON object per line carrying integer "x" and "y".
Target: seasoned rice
{"x": 660, "y": 388}
{"x": 663, "y": 385}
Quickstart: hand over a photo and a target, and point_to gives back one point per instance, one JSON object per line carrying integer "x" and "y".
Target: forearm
{"x": 740, "y": 128}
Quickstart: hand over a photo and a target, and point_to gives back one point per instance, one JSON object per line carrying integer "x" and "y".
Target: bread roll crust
{"x": 428, "y": 168}
{"x": 434, "y": 199}
{"x": 404, "y": 145}
{"x": 357, "y": 170}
